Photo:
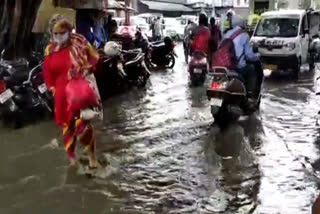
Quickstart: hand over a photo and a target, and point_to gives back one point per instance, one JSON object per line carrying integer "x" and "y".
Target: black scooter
{"x": 198, "y": 68}
{"x": 21, "y": 99}
{"x": 228, "y": 96}
{"x": 161, "y": 54}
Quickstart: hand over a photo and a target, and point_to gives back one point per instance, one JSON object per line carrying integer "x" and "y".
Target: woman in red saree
{"x": 68, "y": 55}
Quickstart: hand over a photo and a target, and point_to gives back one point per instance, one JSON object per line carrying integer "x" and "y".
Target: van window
{"x": 278, "y": 27}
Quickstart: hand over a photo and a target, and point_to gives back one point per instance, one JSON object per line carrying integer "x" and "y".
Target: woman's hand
{"x": 53, "y": 90}
{"x": 86, "y": 72}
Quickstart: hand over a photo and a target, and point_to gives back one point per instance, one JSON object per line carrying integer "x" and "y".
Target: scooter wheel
{"x": 223, "y": 117}
{"x": 171, "y": 60}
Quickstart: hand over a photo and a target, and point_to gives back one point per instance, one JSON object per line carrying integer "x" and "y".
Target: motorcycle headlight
{"x": 291, "y": 46}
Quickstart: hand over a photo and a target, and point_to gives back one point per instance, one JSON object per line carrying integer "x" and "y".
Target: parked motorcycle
{"x": 119, "y": 70}
{"x": 135, "y": 67}
{"x": 228, "y": 96}
{"x": 7, "y": 103}
{"x": 36, "y": 83}
{"x": 198, "y": 68}
{"x": 161, "y": 54}
{"x": 20, "y": 99}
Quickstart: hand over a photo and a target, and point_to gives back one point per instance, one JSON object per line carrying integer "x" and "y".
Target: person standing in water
{"x": 68, "y": 53}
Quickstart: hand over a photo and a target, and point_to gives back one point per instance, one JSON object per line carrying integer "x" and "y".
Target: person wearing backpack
{"x": 235, "y": 53}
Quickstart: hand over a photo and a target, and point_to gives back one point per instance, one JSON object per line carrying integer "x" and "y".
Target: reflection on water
{"x": 165, "y": 156}
{"x": 232, "y": 164}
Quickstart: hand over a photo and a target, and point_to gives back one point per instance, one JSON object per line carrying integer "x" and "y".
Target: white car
{"x": 173, "y": 28}
{"x": 283, "y": 38}
{"x": 140, "y": 23}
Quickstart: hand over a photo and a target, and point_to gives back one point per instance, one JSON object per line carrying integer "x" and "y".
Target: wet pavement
{"x": 165, "y": 157}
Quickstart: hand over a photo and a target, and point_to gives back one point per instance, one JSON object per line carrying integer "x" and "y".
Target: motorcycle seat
{"x": 135, "y": 60}
{"x": 133, "y": 51}
{"x": 17, "y": 77}
{"x": 235, "y": 75}
{"x": 132, "y": 55}
{"x": 156, "y": 42}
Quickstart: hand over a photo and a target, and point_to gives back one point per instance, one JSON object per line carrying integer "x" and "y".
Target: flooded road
{"x": 165, "y": 157}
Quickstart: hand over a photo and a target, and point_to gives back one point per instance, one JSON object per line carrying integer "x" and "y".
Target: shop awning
{"x": 164, "y": 6}
{"x": 81, "y": 4}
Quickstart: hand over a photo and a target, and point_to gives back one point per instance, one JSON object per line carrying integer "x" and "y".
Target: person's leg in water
{"x": 250, "y": 77}
{"x": 69, "y": 139}
{"x": 85, "y": 133}
{"x": 87, "y": 138}
{"x": 258, "y": 70}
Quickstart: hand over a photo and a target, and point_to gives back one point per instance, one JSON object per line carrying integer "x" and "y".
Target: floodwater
{"x": 165, "y": 156}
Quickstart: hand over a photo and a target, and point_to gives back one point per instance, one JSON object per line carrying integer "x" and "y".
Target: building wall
{"x": 222, "y": 3}
{"x": 240, "y": 3}
{"x": 271, "y": 4}
{"x": 199, "y": 1}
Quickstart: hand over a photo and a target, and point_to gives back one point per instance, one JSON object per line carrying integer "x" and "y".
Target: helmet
{"x": 230, "y": 12}
{"x": 238, "y": 21}
{"x": 167, "y": 41}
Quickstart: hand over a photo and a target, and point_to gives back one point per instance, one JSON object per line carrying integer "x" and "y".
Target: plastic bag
{"x": 95, "y": 113}
{"x": 80, "y": 95}
{"x": 90, "y": 114}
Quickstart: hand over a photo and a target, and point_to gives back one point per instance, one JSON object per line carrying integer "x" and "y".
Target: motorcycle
{"x": 119, "y": 69}
{"x": 135, "y": 67}
{"x": 20, "y": 102}
{"x": 110, "y": 76}
{"x": 228, "y": 96}
{"x": 7, "y": 103}
{"x": 198, "y": 68}
{"x": 36, "y": 82}
{"x": 161, "y": 54}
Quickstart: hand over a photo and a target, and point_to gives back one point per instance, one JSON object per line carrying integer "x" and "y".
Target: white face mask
{"x": 61, "y": 38}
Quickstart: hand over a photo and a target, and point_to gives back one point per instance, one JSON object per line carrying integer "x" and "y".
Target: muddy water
{"x": 165, "y": 157}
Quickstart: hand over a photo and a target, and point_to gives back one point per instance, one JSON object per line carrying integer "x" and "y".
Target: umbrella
{"x": 112, "y": 4}
{"x": 81, "y": 4}
{"x": 46, "y": 11}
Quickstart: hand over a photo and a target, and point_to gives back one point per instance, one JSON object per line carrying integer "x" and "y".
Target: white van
{"x": 283, "y": 39}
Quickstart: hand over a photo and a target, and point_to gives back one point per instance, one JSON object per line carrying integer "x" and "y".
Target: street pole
{"x": 251, "y": 6}
{"x": 127, "y": 13}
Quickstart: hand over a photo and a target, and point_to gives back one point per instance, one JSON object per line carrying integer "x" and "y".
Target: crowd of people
{"x": 96, "y": 26}
{"x": 207, "y": 38}
{"x": 71, "y": 58}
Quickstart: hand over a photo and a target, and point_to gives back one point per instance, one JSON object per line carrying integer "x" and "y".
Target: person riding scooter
{"x": 201, "y": 51}
{"x": 201, "y": 36}
{"x": 248, "y": 62}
